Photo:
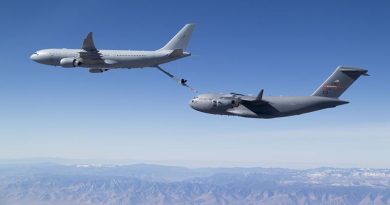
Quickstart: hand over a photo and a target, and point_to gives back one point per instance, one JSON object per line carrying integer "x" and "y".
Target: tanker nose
{"x": 42, "y": 57}
{"x": 34, "y": 57}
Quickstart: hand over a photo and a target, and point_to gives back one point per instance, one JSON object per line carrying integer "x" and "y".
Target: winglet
{"x": 260, "y": 95}
{"x": 88, "y": 44}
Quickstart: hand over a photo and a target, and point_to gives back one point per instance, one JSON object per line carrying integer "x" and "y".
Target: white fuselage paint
{"x": 110, "y": 59}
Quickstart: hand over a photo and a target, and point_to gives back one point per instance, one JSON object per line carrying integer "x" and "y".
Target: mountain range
{"x": 84, "y": 184}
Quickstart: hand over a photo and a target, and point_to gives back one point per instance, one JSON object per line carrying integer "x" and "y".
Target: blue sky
{"x": 284, "y": 47}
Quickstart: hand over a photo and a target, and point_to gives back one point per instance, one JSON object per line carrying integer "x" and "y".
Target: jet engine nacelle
{"x": 226, "y": 103}
{"x": 70, "y": 62}
{"x": 97, "y": 70}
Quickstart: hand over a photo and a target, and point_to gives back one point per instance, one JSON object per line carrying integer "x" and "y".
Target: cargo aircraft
{"x": 260, "y": 106}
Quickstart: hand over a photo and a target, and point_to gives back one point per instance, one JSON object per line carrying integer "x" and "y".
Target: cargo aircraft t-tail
{"x": 98, "y": 61}
{"x": 326, "y": 96}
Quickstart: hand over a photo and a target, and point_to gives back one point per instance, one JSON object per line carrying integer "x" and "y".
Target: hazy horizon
{"x": 184, "y": 164}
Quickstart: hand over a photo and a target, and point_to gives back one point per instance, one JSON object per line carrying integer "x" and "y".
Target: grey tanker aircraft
{"x": 326, "y": 96}
{"x": 98, "y": 61}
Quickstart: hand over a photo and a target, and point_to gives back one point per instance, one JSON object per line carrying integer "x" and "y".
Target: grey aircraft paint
{"x": 326, "y": 96}
{"x": 98, "y": 61}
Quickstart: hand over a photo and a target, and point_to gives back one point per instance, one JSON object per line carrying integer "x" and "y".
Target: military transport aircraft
{"x": 98, "y": 61}
{"x": 326, "y": 96}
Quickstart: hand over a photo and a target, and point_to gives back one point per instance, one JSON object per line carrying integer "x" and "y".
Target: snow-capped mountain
{"x": 154, "y": 184}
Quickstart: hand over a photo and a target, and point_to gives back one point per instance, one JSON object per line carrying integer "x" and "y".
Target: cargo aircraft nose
{"x": 199, "y": 104}
{"x": 193, "y": 103}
